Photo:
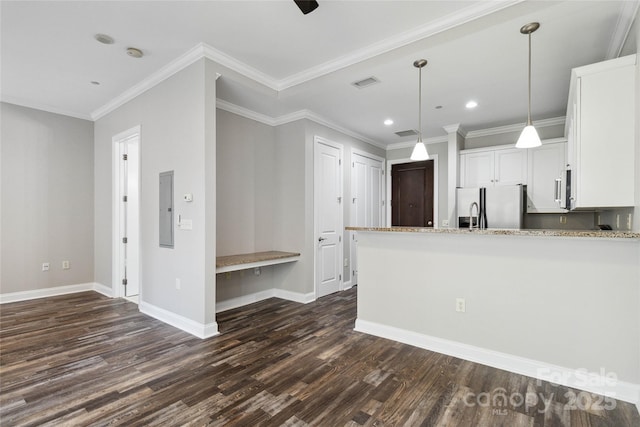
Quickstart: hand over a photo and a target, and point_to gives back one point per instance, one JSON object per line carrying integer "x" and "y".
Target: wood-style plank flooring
{"x": 85, "y": 359}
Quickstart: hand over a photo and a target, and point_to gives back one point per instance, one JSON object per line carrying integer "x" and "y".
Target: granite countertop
{"x": 505, "y": 232}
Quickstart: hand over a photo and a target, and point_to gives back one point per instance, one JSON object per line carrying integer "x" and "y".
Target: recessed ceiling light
{"x": 471, "y": 104}
{"x": 134, "y": 52}
{"x": 103, "y": 38}
{"x": 95, "y": 83}
{"x": 388, "y": 122}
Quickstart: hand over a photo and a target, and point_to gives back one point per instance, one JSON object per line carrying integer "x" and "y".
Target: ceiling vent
{"x": 360, "y": 84}
{"x": 409, "y": 132}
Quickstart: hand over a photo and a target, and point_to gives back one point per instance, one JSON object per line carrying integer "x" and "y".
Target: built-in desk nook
{"x": 225, "y": 264}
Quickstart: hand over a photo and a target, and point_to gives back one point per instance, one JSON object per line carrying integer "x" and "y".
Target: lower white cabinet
{"x": 546, "y": 178}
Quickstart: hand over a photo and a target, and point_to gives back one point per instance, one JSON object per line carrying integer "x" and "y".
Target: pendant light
{"x": 529, "y": 137}
{"x": 420, "y": 150}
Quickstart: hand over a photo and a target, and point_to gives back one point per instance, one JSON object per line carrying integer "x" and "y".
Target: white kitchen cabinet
{"x": 493, "y": 167}
{"x": 546, "y": 178}
{"x": 600, "y": 129}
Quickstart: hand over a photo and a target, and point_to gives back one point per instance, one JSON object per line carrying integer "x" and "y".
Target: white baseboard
{"x": 263, "y": 295}
{"x": 244, "y": 300}
{"x": 591, "y": 382}
{"x": 295, "y": 296}
{"x": 347, "y": 285}
{"x": 197, "y": 329}
{"x": 51, "y": 292}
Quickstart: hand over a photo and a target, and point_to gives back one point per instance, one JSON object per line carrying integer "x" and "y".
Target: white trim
{"x": 628, "y": 11}
{"x": 197, "y": 329}
{"x": 295, "y": 296}
{"x": 436, "y": 184}
{"x": 203, "y": 50}
{"x": 348, "y": 285}
{"x": 183, "y": 61}
{"x": 263, "y": 295}
{"x": 51, "y": 292}
{"x": 474, "y": 11}
{"x": 248, "y": 71}
{"x": 8, "y": 99}
{"x": 245, "y": 112}
{"x": 116, "y": 141}
{"x": 316, "y": 141}
{"x": 292, "y": 117}
{"x": 508, "y": 146}
{"x": 514, "y": 127}
{"x": 621, "y": 390}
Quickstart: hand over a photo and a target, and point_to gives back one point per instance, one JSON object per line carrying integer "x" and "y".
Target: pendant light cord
{"x": 529, "y": 123}
{"x": 420, "y": 104}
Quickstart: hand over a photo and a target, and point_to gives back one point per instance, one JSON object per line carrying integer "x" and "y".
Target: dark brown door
{"x": 412, "y": 194}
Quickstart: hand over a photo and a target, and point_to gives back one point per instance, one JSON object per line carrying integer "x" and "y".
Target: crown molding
{"x": 628, "y": 11}
{"x": 240, "y": 67}
{"x": 475, "y": 11}
{"x": 8, "y": 99}
{"x": 245, "y": 112}
{"x": 514, "y": 128}
{"x": 409, "y": 144}
{"x": 455, "y": 128}
{"x": 292, "y": 117}
{"x": 183, "y": 61}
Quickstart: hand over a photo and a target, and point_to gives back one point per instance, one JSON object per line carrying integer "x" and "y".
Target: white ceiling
{"x": 283, "y": 62}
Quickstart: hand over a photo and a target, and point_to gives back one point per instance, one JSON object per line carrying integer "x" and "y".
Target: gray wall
{"x": 47, "y": 199}
{"x": 246, "y": 174}
{"x": 177, "y": 119}
{"x": 265, "y": 199}
{"x": 519, "y": 290}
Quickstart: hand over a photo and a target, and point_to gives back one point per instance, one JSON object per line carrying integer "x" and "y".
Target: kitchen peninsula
{"x": 545, "y": 304}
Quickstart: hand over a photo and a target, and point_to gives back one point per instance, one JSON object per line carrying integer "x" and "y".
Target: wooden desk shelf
{"x": 225, "y": 264}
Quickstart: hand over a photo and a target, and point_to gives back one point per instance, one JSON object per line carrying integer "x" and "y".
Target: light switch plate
{"x": 186, "y": 224}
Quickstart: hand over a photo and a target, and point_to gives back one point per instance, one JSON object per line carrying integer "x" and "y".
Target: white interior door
{"x": 367, "y": 190}
{"x": 127, "y": 200}
{"x": 329, "y": 228}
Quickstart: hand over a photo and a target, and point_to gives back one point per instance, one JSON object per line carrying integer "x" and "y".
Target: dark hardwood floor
{"x": 85, "y": 359}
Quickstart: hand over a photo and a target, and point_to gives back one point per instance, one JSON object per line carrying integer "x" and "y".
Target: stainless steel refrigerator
{"x": 504, "y": 206}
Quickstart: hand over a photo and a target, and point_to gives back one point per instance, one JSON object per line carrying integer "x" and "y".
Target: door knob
{"x": 320, "y": 239}
{"x": 429, "y": 223}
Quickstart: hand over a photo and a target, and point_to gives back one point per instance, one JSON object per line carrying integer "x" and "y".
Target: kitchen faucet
{"x": 471, "y": 214}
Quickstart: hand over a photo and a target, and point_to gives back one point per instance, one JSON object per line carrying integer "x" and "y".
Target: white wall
{"x": 177, "y": 119}
{"x": 47, "y": 199}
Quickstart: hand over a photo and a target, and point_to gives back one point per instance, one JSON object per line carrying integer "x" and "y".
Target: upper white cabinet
{"x": 600, "y": 131}
{"x": 493, "y": 167}
{"x": 546, "y": 181}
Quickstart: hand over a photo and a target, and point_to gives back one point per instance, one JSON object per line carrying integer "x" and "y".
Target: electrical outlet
{"x": 346, "y": 262}
{"x": 629, "y": 221}
{"x": 178, "y": 284}
{"x": 257, "y": 271}
{"x": 617, "y": 221}
{"x": 65, "y": 265}
{"x": 563, "y": 219}
{"x": 45, "y": 266}
{"x": 445, "y": 222}
{"x": 461, "y": 305}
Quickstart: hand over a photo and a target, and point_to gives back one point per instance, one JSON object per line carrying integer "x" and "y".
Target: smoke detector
{"x": 134, "y": 52}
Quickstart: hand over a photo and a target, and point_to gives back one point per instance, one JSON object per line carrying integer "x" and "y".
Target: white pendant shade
{"x": 528, "y": 138}
{"x": 419, "y": 152}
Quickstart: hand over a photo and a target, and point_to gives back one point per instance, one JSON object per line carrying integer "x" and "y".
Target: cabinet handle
{"x": 558, "y": 191}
